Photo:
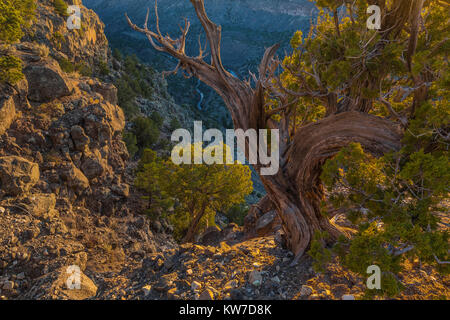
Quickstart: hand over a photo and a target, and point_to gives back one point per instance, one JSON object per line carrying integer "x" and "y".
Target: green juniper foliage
{"x": 396, "y": 200}
{"x": 237, "y": 213}
{"x": 14, "y": 15}
{"x": 146, "y": 132}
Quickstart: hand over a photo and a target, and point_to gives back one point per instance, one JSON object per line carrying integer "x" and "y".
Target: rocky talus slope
{"x": 65, "y": 194}
{"x": 255, "y": 269}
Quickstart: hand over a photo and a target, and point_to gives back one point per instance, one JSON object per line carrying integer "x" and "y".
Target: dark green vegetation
{"x": 82, "y": 68}
{"x": 61, "y": 7}
{"x": 15, "y": 16}
{"x": 136, "y": 81}
{"x": 11, "y": 69}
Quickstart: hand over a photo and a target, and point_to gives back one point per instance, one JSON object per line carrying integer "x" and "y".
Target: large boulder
{"x": 17, "y": 175}
{"x": 46, "y": 81}
{"x": 7, "y": 113}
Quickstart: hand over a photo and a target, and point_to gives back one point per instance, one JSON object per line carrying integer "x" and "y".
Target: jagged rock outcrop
{"x": 87, "y": 45}
{"x": 46, "y": 81}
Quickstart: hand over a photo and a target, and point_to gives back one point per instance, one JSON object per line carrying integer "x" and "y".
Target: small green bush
{"x": 61, "y": 7}
{"x": 66, "y": 65}
{"x": 130, "y": 109}
{"x": 146, "y": 132}
{"x": 103, "y": 68}
{"x": 157, "y": 118}
{"x": 83, "y": 69}
{"x": 15, "y": 14}
{"x": 237, "y": 213}
{"x": 11, "y": 70}
{"x": 117, "y": 54}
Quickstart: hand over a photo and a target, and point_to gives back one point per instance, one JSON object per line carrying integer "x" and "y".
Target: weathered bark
{"x": 296, "y": 191}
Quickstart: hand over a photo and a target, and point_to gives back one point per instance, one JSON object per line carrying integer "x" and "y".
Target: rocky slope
{"x": 65, "y": 194}
{"x": 256, "y": 269}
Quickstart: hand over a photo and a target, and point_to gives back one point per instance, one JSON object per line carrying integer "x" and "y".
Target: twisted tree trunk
{"x": 296, "y": 191}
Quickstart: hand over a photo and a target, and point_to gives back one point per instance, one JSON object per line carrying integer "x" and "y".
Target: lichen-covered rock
{"x": 17, "y": 175}
{"x": 107, "y": 90}
{"x": 46, "y": 81}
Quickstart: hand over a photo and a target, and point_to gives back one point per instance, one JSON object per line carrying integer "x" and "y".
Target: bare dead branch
{"x": 403, "y": 120}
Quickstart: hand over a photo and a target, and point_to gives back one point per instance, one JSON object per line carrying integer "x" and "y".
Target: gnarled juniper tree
{"x": 381, "y": 89}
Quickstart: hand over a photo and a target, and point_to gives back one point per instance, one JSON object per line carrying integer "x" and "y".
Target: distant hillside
{"x": 248, "y": 28}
